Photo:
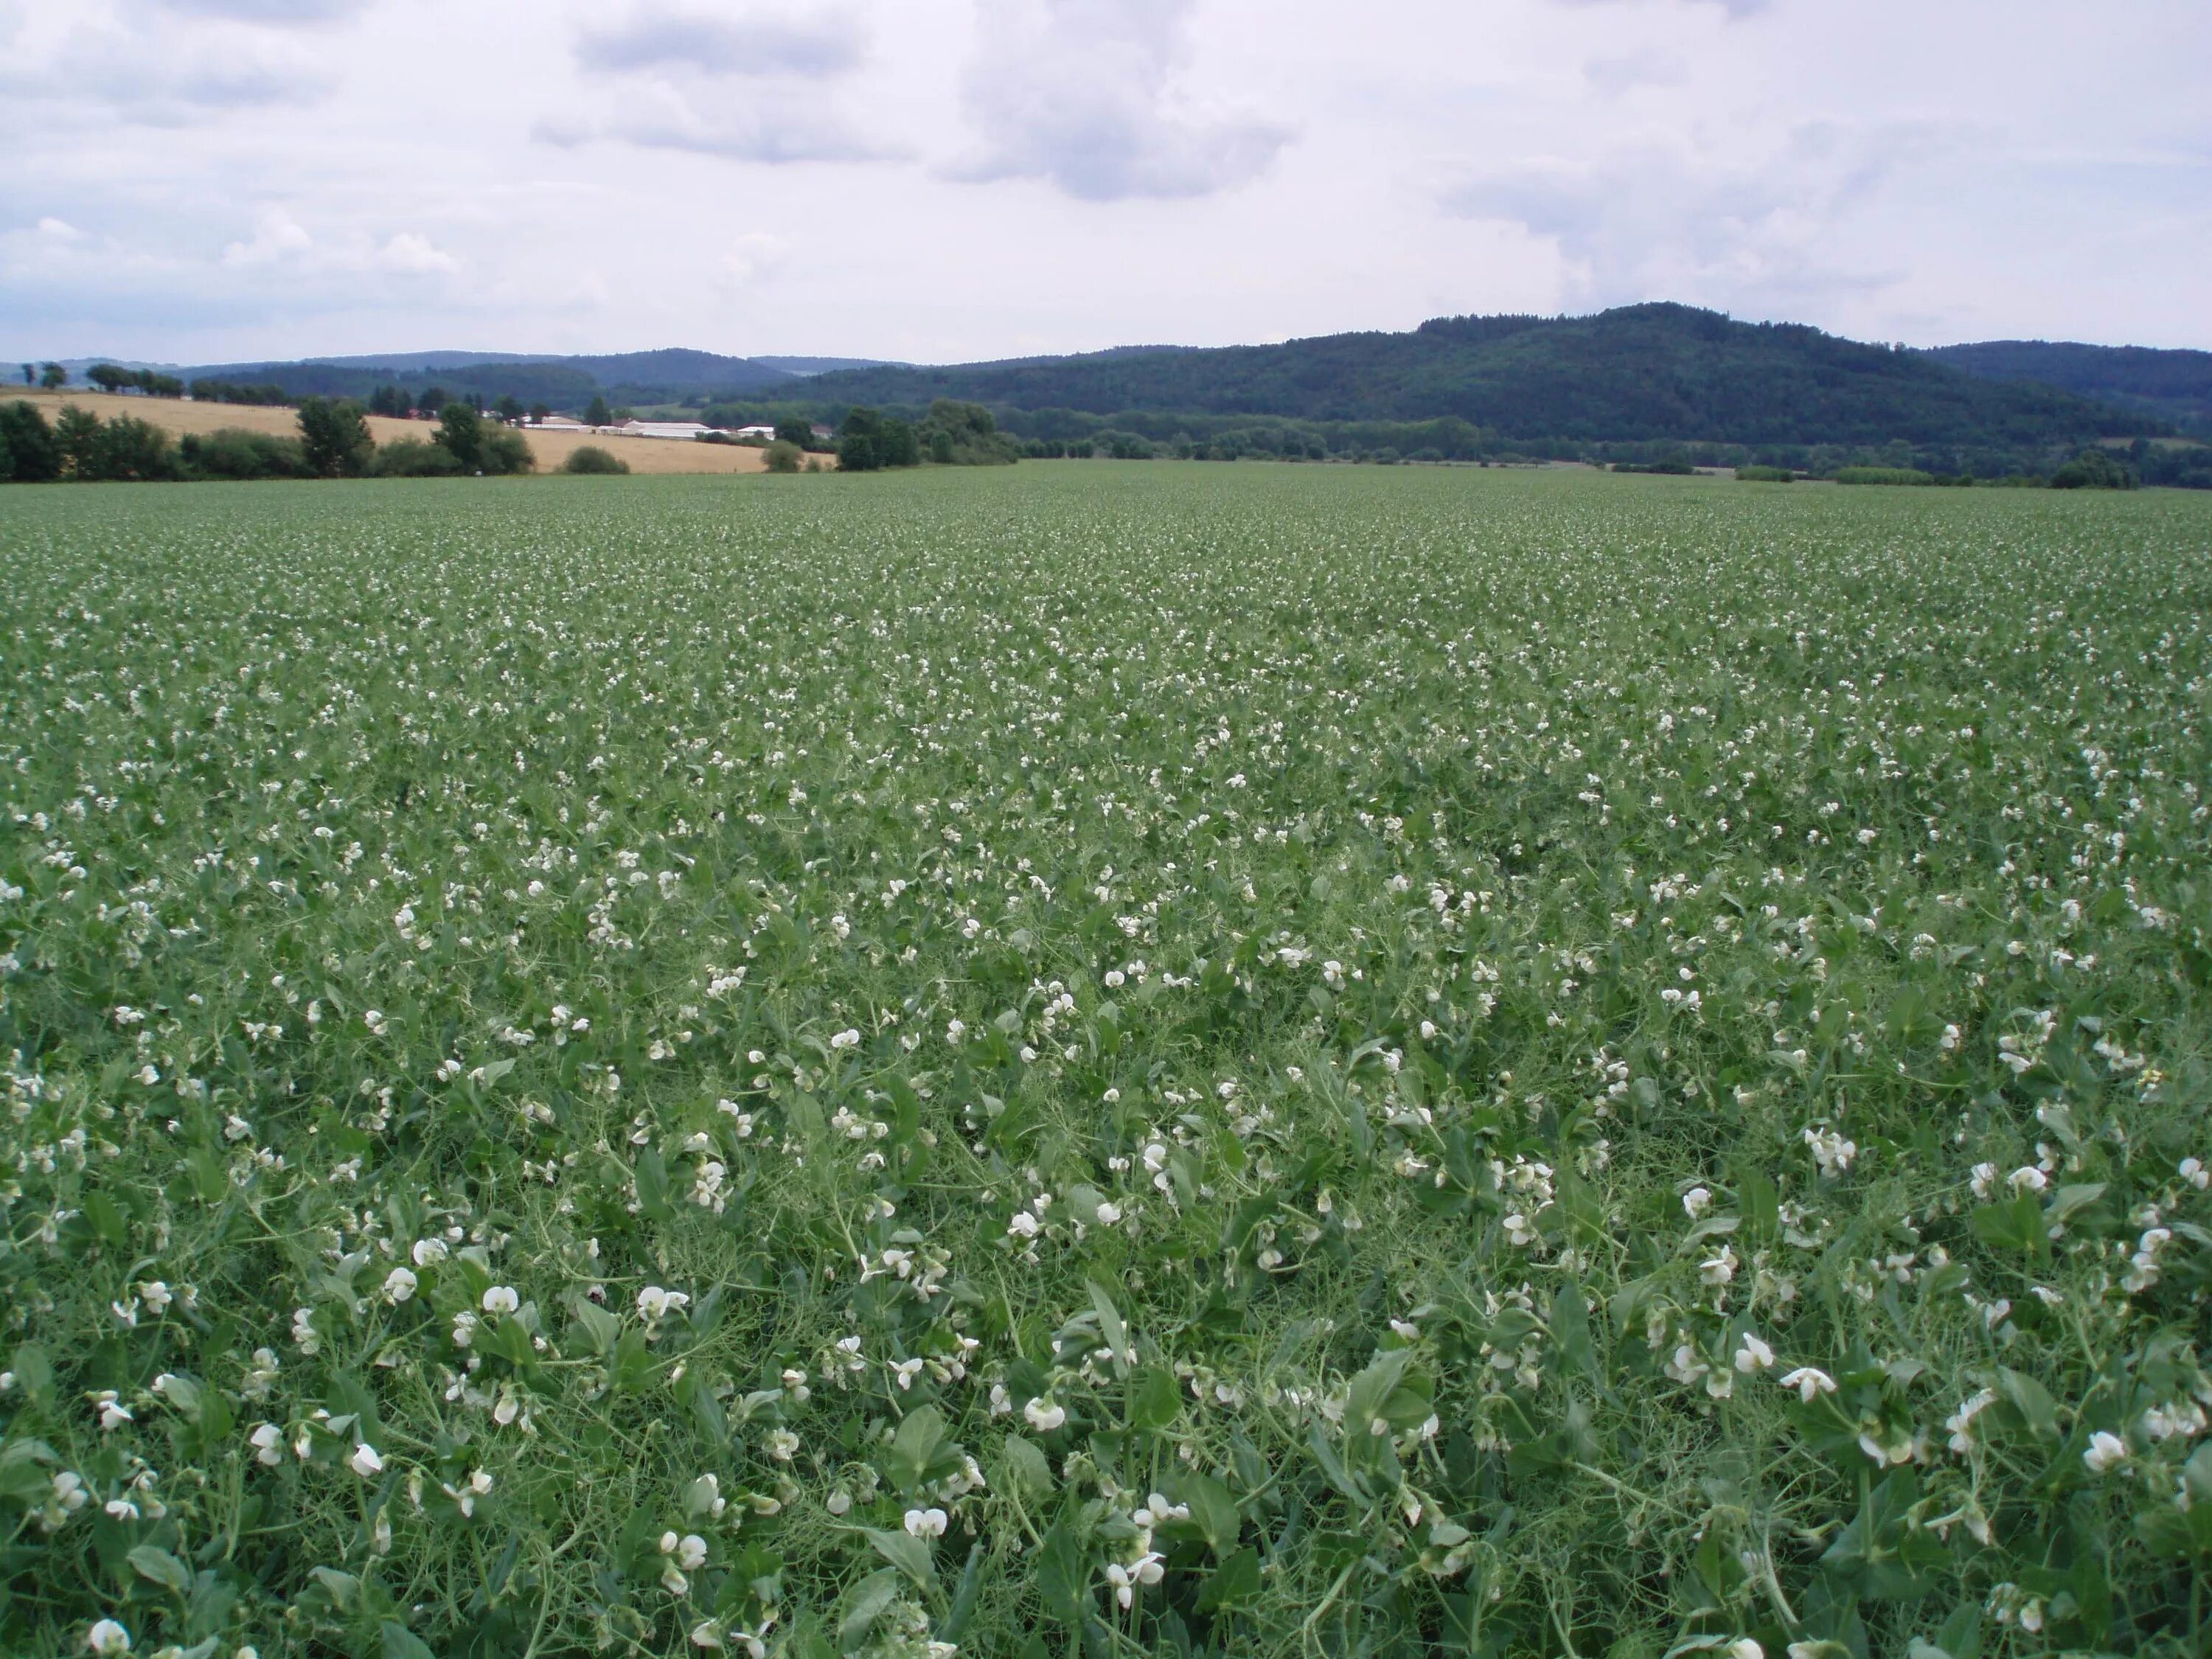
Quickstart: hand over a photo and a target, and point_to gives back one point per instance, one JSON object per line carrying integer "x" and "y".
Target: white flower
{"x": 655, "y": 1304}
{"x": 1024, "y": 1226}
{"x": 2193, "y": 1171}
{"x": 108, "y": 1637}
{"x": 501, "y": 1299}
{"x": 2106, "y": 1451}
{"x": 1697, "y": 1202}
{"x": 1044, "y": 1416}
{"x": 1744, "y": 1647}
{"x": 2027, "y": 1179}
{"x": 838, "y": 1502}
{"x": 925, "y": 1523}
{"x": 429, "y": 1251}
{"x": 1752, "y": 1355}
{"x": 113, "y": 1412}
{"x": 268, "y": 1441}
{"x": 365, "y": 1461}
{"x": 1109, "y": 1214}
{"x": 399, "y": 1284}
{"x": 1809, "y": 1380}
{"x": 846, "y": 1039}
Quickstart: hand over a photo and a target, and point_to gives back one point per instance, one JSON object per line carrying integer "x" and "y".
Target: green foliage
{"x": 796, "y": 430}
{"x": 2093, "y": 468}
{"x": 33, "y": 455}
{"x": 412, "y": 458}
{"x": 334, "y": 438}
{"x": 599, "y": 414}
{"x": 591, "y": 458}
{"x": 460, "y": 433}
{"x": 965, "y": 435}
{"x": 783, "y": 456}
{"x": 1766, "y": 475}
{"x": 1883, "y": 474}
{"x": 54, "y": 376}
{"x": 217, "y": 391}
{"x": 240, "y": 455}
{"x": 124, "y": 450}
{"x": 869, "y": 441}
{"x": 1113, "y": 1060}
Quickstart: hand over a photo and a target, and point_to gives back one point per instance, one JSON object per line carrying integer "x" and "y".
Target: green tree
{"x": 53, "y": 377}
{"x": 509, "y": 408}
{"x": 30, "y": 374}
{"x": 599, "y": 414}
{"x": 540, "y": 413}
{"x": 461, "y": 434}
{"x": 2093, "y": 469}
{"x": 33, "y": 455}
{"x": 782, "y": 456}
{"x": 434, "y": 398}
{"x": 795, "y": 429}
{"x": 108, "y": 377}
{"x": 334, "y": 437}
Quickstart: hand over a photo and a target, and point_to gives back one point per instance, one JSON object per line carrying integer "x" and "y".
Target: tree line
{"x": 333, "y": 441}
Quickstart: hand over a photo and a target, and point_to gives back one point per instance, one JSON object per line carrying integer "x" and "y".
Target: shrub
{"x": 1883, "y": 474}
{"x": 590, "y": 458}
{"x": 1765, "y": 475}
{"x": 411, "y": 457}
{"x": 27, "y": 442}
{"x": 783, "y": 456}
{"x": 2093, "y": 469}
{"x": 236, "y": 455}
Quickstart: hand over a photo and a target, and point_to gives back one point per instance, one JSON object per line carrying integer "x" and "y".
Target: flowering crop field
{"x": 1083, "y": 1061}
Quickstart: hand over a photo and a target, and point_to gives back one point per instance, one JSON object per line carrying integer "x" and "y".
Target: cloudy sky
{"x": 200, "y": 180}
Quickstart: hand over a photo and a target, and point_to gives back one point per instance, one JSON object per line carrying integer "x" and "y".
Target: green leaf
{"x": 2031, "y": 1401}
{"x": 906, "y": 1552}
{"x": 1026, "y": 1462}
{"x": 1234, "y": 1582}
{"x": 1063, "y": 1575}
{"x": 914, "y": 1449}
{"x": 1109, "y": 1324}
{"x": 594, "y": 1327}
{"x": 865, "y": 1602}
{"x": 163, "y": 1568}
{"x": 652, "y": 1185}
{"x": 401, "y": 1643}
{"x": 1212, "y": 1511}
{"x": 22, "y": 1469}
{"x": 1155, "y": 1402}
{"x": 107, "y": 1221}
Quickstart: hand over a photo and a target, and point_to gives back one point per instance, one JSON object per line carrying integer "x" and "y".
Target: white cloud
{"x": 1670, "y": 219}
{"x": 739, "y": 85}
{"x": 757, "y": 42}
{"x": 752, "y": 258}
{"x": 1090, "y": 95}
{"x": 272, "y": 11}
{"x": 121, "y": 64}
{"x": 279, "y": 240}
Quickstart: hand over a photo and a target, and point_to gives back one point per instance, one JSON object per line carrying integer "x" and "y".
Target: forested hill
{"x": 2174, "y": 384}
{"x": 1642, "y": 373}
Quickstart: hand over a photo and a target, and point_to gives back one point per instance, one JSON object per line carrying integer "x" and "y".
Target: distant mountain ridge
{"x": 1655, "y": 372}
{"x": 1647, "y": 373}
{"x": 2176, "y": 385}
{"x": 667, "y": 376}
